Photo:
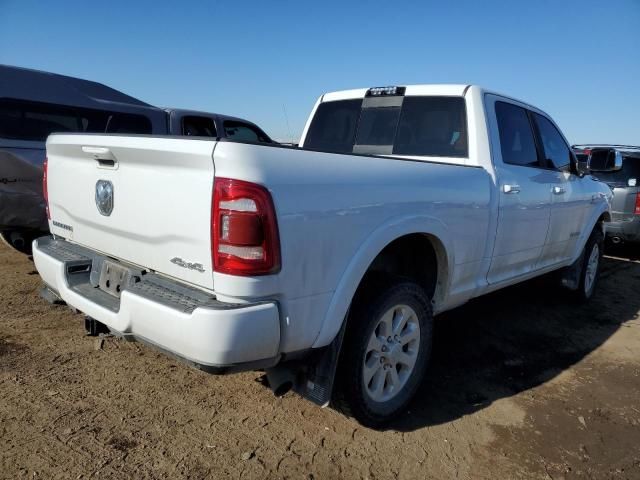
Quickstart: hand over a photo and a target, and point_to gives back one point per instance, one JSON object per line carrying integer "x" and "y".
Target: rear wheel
{"x": 385, "y": 353}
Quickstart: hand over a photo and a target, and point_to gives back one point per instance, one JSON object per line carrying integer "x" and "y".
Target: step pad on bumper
{"x": 149, "y": 285}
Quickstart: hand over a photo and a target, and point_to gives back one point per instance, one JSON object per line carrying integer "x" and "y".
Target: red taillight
{"x": 244, "y": 232}
{"x": 45, "y": 189}
{"x": 637, "y": 211}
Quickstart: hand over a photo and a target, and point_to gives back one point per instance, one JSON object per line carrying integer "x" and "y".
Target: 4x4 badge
{"x": 184, "y": 264}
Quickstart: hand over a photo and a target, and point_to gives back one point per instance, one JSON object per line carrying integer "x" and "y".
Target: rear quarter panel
{"x": 336, "y": 213}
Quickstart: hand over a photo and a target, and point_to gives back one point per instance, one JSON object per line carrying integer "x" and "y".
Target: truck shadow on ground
{"x": 518, "y": 338}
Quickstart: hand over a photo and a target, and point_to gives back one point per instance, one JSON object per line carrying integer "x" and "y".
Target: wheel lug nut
{"x": 382, "y": 360}
{"x": 389, "y": 339}
{"x": 396, "y": 338}
{"x": 384, "y": 348}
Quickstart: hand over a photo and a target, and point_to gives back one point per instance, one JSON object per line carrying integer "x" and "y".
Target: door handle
{"x": 511, "y": 189}
{"x": 558, "y": 190}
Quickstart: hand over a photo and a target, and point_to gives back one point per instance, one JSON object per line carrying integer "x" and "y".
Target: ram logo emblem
{"x": 104, "y": 197}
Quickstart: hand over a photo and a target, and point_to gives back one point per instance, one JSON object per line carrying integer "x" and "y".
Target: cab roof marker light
{"x": 385, "y": 91}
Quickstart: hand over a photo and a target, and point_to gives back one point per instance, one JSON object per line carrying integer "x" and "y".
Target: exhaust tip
{"x": 280, "y": 380}
{"x": 17, "y": 240}
{"x": 282, "y": 389}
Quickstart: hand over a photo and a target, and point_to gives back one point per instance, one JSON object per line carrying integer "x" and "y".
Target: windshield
{"x": 412, "y": 126}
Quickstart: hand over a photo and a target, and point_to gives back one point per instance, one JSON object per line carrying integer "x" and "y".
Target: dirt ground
{"x": 523, "y": 384}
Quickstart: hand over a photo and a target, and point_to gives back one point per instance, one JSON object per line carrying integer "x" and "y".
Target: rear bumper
{"x": 628, "y": 230}
{"x": 180, "y": 320}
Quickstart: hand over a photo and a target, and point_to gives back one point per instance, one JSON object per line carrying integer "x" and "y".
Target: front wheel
{"x": 385, "y": 353}
{"x": 592, "y": 257}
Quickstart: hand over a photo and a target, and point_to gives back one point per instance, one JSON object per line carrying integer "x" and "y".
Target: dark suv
{"x": 34, "y": 104}
{"x": 619, "y": 167}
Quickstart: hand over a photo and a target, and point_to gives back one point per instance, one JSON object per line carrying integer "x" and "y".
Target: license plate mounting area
{"x": 114, "y": 277}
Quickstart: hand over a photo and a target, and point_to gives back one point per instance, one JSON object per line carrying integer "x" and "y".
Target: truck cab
{"x": 194, "y": 123}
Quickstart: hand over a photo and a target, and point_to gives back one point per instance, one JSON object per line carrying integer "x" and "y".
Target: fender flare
{"x": 366, "y": 254}
{"x": 591, "y": 223}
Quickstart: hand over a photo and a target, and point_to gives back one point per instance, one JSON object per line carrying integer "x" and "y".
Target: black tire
{"x": 18, "y": 240}
{"x": 586, "y": 288}
{"x": 350, "y": 395}
{"x": 4, "y": 236}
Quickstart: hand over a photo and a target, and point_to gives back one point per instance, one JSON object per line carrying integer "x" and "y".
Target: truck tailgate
{"x": 161, "y": 200}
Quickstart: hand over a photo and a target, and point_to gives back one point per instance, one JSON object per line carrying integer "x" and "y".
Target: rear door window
{"x": 243, "y": 132}
{"x": 517, "y": 142}
{"x": 33, "y": 121}
{"x": 198, "y": 126}
{"x": 128, "y": 123}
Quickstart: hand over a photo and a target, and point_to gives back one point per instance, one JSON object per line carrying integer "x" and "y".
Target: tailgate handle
{"x": 102, "y": 155}
{"x": 103, "y": 162}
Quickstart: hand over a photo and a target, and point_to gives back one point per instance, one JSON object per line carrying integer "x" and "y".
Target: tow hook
{"x": 93, "y": 327}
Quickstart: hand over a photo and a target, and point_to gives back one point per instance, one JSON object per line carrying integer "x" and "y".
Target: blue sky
{"x": 579, "y": 60}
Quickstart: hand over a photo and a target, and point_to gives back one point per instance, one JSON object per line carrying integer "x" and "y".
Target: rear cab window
{"x": 333, "y": 128}
{"x": 435, "y": 126}
{"x": 430, "y": 126}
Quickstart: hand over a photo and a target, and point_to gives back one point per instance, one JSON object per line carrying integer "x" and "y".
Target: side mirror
{"x": 578, "y": 166}
{"x": 605, "y": 160}
{"x": 582, "y": 168}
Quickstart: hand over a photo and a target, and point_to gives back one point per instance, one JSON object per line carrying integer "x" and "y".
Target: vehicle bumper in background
{"x": 22, "y": 211}
{"x": 178, "y": 319}
{"x": 625, "y": 230}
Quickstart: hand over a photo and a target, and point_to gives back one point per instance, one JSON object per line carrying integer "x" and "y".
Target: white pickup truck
{"x": 325, "y": 261}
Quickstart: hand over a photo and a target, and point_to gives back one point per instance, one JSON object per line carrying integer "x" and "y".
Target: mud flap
{"x": 570, "y": 276}
{"x": 316, "y": 384}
